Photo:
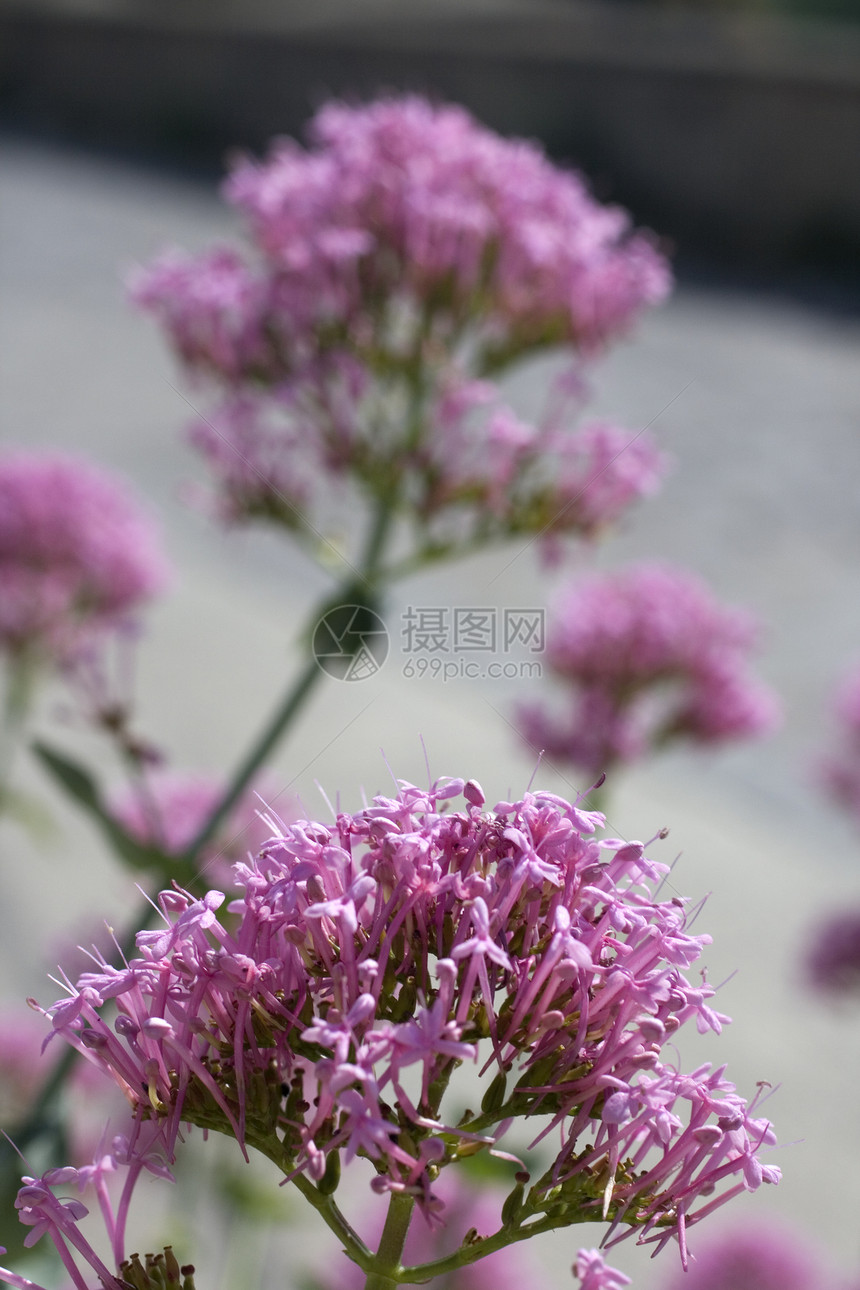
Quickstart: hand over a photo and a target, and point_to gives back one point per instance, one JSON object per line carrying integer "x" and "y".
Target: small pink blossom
{"x": 832, "y": 958}
{"x": 840, "y": 769}
{"x": 397, "y": 263}
{"x": 77, "y": 555}
{"x": 595, "y": 1274}
{"x": 648, "y": 657}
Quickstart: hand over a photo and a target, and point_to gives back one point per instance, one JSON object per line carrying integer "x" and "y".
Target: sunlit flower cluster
{"x": 372, "y": 957}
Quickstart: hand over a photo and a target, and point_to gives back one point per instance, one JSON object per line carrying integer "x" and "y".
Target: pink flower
{"x": 77, "y": 555}
{"x": 595, "y": 1274}
{"x": 832, "y": 957}
{"x": 649, "y": 657}
{"x": 23, "y": 1072}
{"x": 409, "y": 932}
{"x": 396, "y": 263}
{"x": 755, "y": 1258}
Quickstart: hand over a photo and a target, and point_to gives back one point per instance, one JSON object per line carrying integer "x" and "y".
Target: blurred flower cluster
{"x": 77, "y": 556}
{"x": 395, "y": 265}
{"x": 832, "y": 957}
{"x": 167, "y": 809}
{"x": 647, "y": 656}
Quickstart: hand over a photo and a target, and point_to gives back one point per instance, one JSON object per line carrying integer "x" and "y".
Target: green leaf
{"x": 80, "y": 785}
{"x": 29, "y": 812}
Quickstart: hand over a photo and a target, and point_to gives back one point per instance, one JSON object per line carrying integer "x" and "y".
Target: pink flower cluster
{"x": 595, "y": 1274}
{"x": 59, "y": 1216}
{"x": 543, "y": 478}
{"x": 77, "y": 555}
{"x": 406, "y": 251}
{"x": 399, "y": 210}
{"x": 650, "y": 657}
{"x": 369, "y": 958}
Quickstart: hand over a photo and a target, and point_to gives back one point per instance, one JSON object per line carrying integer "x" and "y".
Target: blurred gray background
{"x": 733, "y": 133}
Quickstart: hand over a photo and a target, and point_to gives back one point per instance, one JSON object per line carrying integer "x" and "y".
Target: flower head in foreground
{"x": 368, "y": 959}
{"x": 396, "y": 263}
{"x": 77, "y": 555}
{"x": 650, "y": 657}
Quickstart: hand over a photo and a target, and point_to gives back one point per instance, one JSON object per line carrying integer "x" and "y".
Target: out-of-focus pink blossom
{"x": 24, "y": 1070}
{"x": 77, "y": 555}
{"x": 168, "y": 808}
{"x": 832, "y": 959}
{"x": 765, "y": 1257}
{"x": 399, "y": 213}
{"x": 840, "y": 769}
{"x": 649, "y": 657}
{"x": 397, "y": 263}
{"x": 595, "y": 1274}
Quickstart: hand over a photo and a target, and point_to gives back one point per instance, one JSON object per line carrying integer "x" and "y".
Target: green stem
{"x": 357, "y": 586}
{"x": 18, "y": 698}
{"x": 385, "y": 1270}
{"x": 266, "y": 742}
{"x": 325, "y": 1206}
{"x": 421, "y": 1273}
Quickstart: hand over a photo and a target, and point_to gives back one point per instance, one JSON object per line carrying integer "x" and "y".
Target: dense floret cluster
{"x": 374, "y": 956}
